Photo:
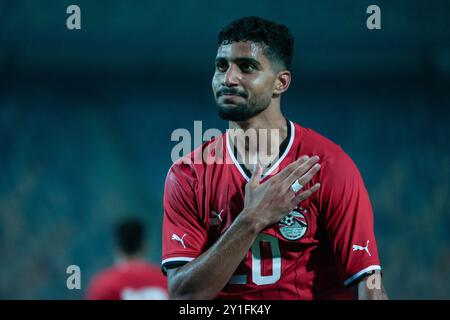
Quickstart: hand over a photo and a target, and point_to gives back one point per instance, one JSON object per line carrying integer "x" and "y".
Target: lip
{"x": 228, "y": 95}
{"x": 230, "y": 99}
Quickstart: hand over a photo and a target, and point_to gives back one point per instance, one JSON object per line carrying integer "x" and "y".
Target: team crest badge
{"x": 293, "y": 226}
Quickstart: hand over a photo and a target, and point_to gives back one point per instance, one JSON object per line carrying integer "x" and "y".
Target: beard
{"x": 241, "y": 111}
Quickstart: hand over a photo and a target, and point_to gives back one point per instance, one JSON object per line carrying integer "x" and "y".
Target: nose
{"x": 232, "y": 76}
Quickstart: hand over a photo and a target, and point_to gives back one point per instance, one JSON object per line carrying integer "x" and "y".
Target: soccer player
{"x": 300, "y": 227}
{"x": 132, "y": 278}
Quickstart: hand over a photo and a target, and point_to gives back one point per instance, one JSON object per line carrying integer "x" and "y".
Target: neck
{"x": 271, "y": 118}
{"x": 270, "y": 128}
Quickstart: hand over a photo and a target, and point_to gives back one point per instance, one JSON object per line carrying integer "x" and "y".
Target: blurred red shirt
{"x": 136, "y": 280}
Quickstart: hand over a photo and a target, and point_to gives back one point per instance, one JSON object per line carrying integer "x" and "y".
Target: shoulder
{"x": 313, "y": 143}
{"x": 191, "y": 167}
{"x": 144, "y": 268}
{"x": 103, "y": 279}
{"x": 155, "y": 272}
{"x": 334, "y": 160}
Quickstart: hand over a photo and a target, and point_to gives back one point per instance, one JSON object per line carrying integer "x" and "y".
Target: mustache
{"x": 231, "y": 91}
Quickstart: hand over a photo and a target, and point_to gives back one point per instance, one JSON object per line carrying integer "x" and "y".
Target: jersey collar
{"x": 244, "y": 171}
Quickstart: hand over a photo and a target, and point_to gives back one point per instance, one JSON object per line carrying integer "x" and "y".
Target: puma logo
{"x": 180, "y": 240}
{"x": 216, "y": 217}
{"x": 366, "y": 248}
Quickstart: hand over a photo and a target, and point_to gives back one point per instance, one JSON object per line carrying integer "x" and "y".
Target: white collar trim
{"x": 276, "y": 164}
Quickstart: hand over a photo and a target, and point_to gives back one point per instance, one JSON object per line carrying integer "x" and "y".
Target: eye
{"x": 247, "y": 67}
{"x": 221, "y": 65}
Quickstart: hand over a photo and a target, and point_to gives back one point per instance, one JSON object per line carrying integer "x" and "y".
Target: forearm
{"x": 205, "y": 277}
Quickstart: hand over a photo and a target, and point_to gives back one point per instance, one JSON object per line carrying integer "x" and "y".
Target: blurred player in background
{"x": 132, "y": 277}
{"x": 300, "y": 227}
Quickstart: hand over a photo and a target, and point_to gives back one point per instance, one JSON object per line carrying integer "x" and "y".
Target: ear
{"x": 282, "y": 82}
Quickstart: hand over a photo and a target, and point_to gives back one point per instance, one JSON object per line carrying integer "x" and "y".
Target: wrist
{"x": 248, "y": 219}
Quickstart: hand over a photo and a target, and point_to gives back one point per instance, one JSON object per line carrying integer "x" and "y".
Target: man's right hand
{"x": 267, "y": 203}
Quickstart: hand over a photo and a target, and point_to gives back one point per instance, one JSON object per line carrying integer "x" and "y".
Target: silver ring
{"x": 296, "y": 186}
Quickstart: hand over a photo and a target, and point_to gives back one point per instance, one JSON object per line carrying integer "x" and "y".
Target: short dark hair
{"x": 130, "y": 235}
{"x": 278, "y": 40}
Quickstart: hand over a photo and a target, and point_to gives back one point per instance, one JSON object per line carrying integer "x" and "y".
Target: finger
{"x": 305, "y": 194}
{"x": 303, "y": 169}
{"x": 303, "y": 180}
{"x": 286, "y": 172}
{"x": 256, "y": 174}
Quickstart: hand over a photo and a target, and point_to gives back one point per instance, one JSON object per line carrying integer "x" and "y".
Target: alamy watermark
{"x": 374, "y": 20}
{"x": 373, "y": 282}
{"x": 249, "y": 147}
{"x": 73, "y": 22}
{"x": 74, "y": 279}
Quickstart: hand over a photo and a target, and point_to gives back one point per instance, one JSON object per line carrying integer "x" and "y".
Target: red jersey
{"x": 316, "y": 252}
{"x": 137, "y": 280}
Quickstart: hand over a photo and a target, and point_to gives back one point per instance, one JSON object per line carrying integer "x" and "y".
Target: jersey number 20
{"x": 257, "y": 277}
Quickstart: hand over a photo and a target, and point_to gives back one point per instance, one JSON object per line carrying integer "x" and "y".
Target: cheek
{"x": 262, "y": 86}
{"x": 215, "y": 82}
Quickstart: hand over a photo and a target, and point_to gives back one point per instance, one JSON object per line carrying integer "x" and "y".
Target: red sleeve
{"x": 348, "y": 218}
{"x": 184, "y": 234}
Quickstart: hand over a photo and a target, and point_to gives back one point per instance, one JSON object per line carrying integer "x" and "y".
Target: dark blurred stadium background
{"x": 86, "y": 118}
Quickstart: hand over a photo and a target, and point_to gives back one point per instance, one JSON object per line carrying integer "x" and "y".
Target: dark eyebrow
{"x": 241, "y": 59}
